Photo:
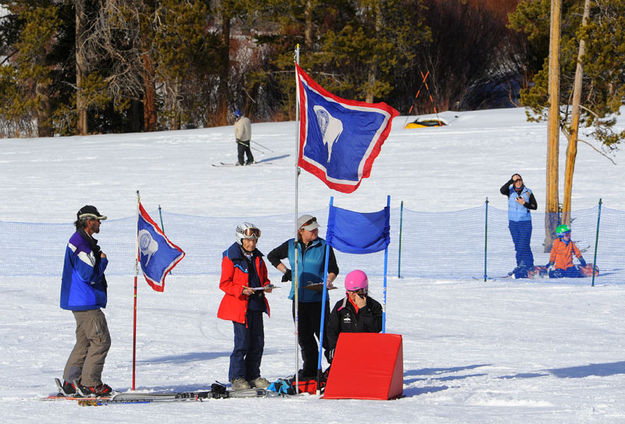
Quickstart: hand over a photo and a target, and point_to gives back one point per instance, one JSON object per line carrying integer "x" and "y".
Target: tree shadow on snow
{"x": 187, "y": 357}
{"x": 597, "y": 370}
{"x": 436, "y": 374}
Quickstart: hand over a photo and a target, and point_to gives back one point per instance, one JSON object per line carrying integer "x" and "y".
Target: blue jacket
{"x": 516, "y": 211}
{"x": 310, "y": 270}
{"x": 83, "y": 286}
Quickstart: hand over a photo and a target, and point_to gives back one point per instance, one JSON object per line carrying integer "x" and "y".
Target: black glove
{"x": 287, "y": 276}
{"x": 582, "y": 262}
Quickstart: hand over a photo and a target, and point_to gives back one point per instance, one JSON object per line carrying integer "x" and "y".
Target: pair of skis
{"x": 217, "y": 391}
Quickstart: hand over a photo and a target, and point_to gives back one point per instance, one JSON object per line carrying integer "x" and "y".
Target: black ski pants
{"x": 309, "y": 324}
{"x": 244, "y": 149}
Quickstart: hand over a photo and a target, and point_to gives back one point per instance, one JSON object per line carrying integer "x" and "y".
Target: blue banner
{"x": 355, "y": 232}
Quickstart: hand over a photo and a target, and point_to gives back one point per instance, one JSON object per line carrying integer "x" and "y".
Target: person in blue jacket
{"x": 83, "y": 291}
{"x": 310, "y": 267}
{"x": 520, "y": 201}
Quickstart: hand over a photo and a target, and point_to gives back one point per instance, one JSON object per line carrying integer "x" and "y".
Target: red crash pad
{"x": 366, "y": 366}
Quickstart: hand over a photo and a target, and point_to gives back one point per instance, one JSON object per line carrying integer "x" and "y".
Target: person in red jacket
{"x": 244, "y": 281}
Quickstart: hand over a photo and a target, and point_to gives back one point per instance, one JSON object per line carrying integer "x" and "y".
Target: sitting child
{"x": 561, "y": 259}
{"x": 355, "y": 313}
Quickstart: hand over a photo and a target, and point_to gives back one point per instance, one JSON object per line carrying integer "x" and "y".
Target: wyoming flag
{"x": 339, "y": 139}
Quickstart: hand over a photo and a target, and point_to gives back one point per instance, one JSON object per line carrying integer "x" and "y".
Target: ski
{"x": 235, "y": 164}
{"x": 217, "y": 391}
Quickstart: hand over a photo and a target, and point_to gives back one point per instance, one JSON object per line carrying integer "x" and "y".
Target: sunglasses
{"x": 359, "y": 292}
{"x": 310, "y": 221}
{"x": 518, "y": 179}
{"x": 252, "y": 233}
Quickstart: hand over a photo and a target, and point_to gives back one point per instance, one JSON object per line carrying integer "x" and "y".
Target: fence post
{"x": 401, "y": 220}
{"x": 594, "y": 260}
{"x": 485, "y": 237}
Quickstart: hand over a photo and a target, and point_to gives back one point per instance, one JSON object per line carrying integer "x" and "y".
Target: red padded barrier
{"x": 366, "y": 366}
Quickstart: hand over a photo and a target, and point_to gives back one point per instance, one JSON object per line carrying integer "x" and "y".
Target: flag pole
{"x": 134, "y": 314}
{"x": 295, "y": 273}
{"x": 388, "y": 205}
{"x": 324, "y": 298}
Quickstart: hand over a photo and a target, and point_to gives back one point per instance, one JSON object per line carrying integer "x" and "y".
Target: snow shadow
{"x": 597, "y": 370}
{"x": 272, "y": 158}
{"x": 187, "y": 357}
{"x": 436, "y": 374}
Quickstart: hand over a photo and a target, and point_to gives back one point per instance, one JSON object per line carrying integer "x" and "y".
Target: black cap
{"x": 90, "y": 212}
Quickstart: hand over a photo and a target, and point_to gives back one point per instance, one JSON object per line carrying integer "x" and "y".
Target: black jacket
{"x": 344, "y": 318}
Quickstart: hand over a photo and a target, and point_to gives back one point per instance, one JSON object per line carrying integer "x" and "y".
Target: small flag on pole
{"x": 157, "y": 254}
{"x": 345, "y": 230}
{"x": 339, "y": 139}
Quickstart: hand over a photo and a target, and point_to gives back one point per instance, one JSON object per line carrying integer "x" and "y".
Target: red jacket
{"x": 234, "y": 276}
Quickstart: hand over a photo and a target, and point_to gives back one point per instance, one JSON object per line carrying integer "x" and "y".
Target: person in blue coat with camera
{"x": 521, "y": 201}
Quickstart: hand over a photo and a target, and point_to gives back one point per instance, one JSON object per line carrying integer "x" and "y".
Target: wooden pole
{"x": 571, "y": 150}
{"x": 553, "y": 128}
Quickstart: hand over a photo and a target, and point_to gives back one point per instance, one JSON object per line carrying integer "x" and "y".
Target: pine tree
{"x": 28, "y": 78}
{"x": 604, "y": 72}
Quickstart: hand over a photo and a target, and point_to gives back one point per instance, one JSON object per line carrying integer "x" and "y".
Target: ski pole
{"x": 251, "y": 147}
{"x": 264, "y": 147}
{"x": 485, "y": 238}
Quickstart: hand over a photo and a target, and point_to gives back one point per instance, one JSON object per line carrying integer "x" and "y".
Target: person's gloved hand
{"x": 287, "y": 276}
{"x": 549, "y": 266}
{"x": 582, "y": 262}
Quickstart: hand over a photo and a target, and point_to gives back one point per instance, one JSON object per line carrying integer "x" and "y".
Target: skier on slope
{"x": 244, "y": 281}
{"x": 243, "y": 136}
{"x": 83, "y": 291}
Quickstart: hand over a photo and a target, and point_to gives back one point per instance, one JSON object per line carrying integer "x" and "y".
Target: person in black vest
{"x": 355, "y": 313}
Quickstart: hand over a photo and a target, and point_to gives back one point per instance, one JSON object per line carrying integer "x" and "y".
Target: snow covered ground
{"x": 505, "y": 351}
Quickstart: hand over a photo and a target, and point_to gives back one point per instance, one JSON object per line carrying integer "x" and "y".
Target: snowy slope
{"x": 503, "y": 351}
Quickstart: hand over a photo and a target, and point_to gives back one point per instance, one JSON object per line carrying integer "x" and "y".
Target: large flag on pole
{"x": 339, "y": 139}
{"x": 157, "y": 254}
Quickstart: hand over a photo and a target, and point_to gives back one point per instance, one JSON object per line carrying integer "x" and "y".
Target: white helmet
{"x": 247, "y": 231}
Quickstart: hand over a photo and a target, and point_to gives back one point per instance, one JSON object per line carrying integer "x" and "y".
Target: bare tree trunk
{"x": 373, "y": 68}
{"x": 553, "y": 128}
{"x": 308, "y": 30}
{"x": 81, "y": 66}
{"x": 44, "y": 127}
{"x": 571, "y": 151}
{"x": 149, "y": 95}
{"x": 221, "y": 114}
